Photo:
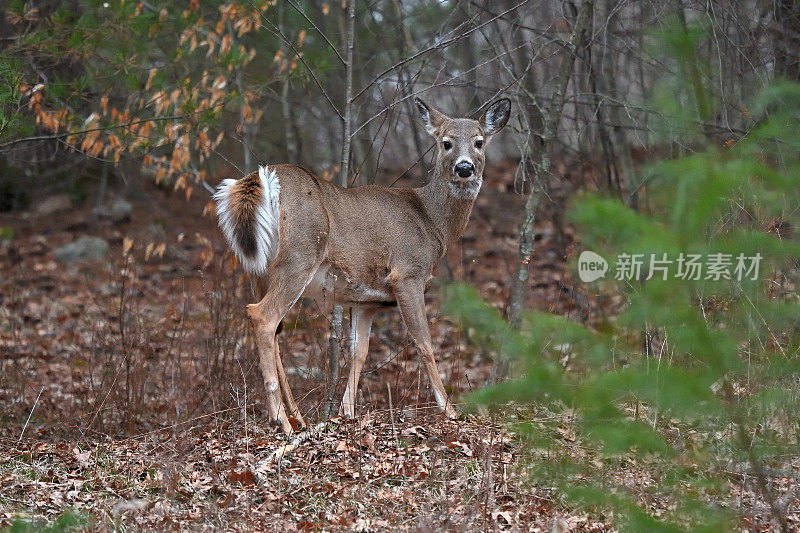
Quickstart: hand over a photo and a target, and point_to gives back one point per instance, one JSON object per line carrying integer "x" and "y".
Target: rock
{"x": 306, "y": 372}
{"x": 136, "y": 505}
{"x": 84, "y": 249}
{"x": 120, "y": 211}
{"x": 154, "y": 232}
{"x": 53, "y": 204}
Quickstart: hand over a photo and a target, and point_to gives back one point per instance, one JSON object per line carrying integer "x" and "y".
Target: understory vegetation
{"x": 696, "y": 380}
{"x": 618, "y": 324}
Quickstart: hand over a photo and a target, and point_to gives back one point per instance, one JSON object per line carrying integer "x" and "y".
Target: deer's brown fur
{"x": 364, "y": 247}
{"x": 247, "y": 196}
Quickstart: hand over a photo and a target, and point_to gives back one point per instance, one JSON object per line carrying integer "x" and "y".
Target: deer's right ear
{"x": 433, "y": 119}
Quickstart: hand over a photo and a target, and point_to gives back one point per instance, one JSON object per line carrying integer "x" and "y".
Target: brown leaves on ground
{"x": 156, "y": 333}
{"x": 453, "y": 475}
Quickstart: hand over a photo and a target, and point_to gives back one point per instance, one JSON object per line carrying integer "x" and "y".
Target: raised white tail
{"x": 247, "y": 210}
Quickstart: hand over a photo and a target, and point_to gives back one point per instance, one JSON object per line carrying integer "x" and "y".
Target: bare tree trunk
{"x": 247, "y": 129}
{"x": 247, "y": 162}
{"x": 405, "y": 45}
{"x": 348, "y": 93}
{"x": 334, "y": 341}
{"x": 526, "y": 229}
{"x": 787, "y": 40}
{"x": 597, "y": 89}
{"x": 288, "y": 122}
{"x": 607, "y": 85}
{"x": 288, "y": 130}
{"x": 336, "y": 315}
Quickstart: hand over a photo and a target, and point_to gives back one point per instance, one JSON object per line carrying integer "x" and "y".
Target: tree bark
{"x": 787, "y": 42}
{"x": 405, "y": 45}
{"x": 336, "y": 315}
{"x": 526, "y": 229}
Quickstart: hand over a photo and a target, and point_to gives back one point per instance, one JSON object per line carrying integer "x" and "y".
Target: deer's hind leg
{"x": 286, "y": 280}
{"x": 360, "y": 326}
{"x": 291, "y": 405}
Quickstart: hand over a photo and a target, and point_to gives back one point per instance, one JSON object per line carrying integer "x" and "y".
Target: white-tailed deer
{"x": 365, "y": 248}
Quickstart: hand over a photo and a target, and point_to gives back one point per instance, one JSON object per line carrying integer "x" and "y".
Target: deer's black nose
{"x": 465, "y": 169}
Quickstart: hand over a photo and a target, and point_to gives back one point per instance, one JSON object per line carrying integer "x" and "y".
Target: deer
{"x": 367, "y": 248}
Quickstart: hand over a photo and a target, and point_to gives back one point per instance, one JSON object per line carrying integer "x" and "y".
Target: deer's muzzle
{"x": 464, "y": 169}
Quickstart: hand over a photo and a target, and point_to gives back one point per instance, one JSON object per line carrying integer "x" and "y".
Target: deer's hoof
{"x": 298, "y": 424}
{"x": 284, "y": 425}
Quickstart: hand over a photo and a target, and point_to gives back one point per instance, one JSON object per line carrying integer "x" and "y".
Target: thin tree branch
{"x": 325, "y": 37}
{"x": 437, "y": 46}
{"x": 336, "y": 314}
{"x": 526, "y": 230}
{"x": 278, "y": 33}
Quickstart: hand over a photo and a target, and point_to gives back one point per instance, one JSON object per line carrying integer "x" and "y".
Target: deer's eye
{"x": 447, "y": 145}
{"x": 479, "y": 144}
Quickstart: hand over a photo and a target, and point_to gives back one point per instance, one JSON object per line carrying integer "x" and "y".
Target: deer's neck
{"x": 448, "y": 213}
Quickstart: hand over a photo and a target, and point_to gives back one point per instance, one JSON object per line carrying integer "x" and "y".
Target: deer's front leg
{"x": 411, "y": 299}
{"x": 360, "y": 326}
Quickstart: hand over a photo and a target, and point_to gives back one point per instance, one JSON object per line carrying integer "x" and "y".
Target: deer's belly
{"x": 330, "y": 285}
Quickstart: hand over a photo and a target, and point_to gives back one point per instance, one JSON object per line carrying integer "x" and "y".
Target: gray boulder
{"x": 121, "y": 211}
{"x": 54, "y": 204}
{"x": 84, "y": 249}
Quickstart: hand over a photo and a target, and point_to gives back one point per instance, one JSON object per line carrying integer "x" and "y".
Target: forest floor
{"x": 131, "y": 392}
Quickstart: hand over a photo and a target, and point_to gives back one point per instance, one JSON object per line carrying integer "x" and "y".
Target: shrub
{"x": 713, "y": 396}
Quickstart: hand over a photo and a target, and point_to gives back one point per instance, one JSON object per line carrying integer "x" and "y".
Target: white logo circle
{"x": 591, "y": 266}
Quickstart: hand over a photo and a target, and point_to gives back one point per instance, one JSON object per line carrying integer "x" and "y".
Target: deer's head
{"x": 461, "y": 145}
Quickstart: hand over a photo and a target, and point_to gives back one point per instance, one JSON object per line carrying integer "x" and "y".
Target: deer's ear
{"x": 432, "y": 118}
{"x": 496, "y": 116}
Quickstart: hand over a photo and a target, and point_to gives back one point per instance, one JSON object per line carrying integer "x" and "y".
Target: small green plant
{"x": 713, "y": 396}
{"x": 68, "y": 521}
{"x": 10, "y": 97}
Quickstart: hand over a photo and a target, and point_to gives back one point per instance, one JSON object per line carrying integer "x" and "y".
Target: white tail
{"x": 248, "y": 216}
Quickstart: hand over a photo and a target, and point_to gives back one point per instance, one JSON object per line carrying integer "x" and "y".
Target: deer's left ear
{"x": 496, "y": 116}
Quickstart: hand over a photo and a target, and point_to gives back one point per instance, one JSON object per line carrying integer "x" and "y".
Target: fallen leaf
{"x": 367, "y": 440}
{"x": 244, "y": 477}
{"x": 136, "y": 505}
{"x": 82, "y": 457}
{"x": 459, "y": 446}
{"x": 503, "y": 518}
{"x": 345, "y": 446}
{"x": 560, "y": 526}
{"x": 415, "y": 431}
